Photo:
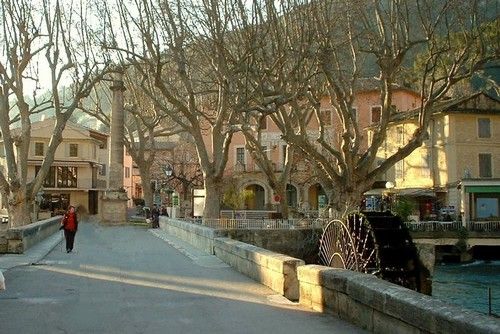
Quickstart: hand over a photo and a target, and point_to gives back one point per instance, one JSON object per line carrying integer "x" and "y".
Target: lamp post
{"x": 167, "y": 169}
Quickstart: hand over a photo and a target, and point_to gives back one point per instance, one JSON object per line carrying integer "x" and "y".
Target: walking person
{"x": 155, "y": 217}
{"x": 70, "y": 225}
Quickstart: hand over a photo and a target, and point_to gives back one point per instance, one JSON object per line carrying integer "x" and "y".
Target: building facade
{"x": 457, "y": 169}
{"x": 305, "y": 194}
{"x": 80, "y": 171}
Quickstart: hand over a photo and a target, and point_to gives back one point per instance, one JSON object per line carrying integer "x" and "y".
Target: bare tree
{"x": 39, "y": 40}
{"x": 205, "y": 60}
{"x": 380, "y": 39}
{"x": 259, "y": 150}
{"x": 186, "y": 173}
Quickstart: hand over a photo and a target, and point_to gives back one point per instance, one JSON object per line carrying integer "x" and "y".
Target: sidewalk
{"x": 32, "y": 255}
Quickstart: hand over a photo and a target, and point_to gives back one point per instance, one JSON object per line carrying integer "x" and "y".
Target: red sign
{"x": 277, "y": 198}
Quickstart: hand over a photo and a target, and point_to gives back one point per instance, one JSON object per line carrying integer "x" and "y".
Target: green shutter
{"x": 482, "y": 189}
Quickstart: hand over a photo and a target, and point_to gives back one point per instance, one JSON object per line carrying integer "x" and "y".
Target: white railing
{"x": 259, "y": 224}
{"x": 246, "y": 214}
{"x": 484, "y": 226}
{"x": 428, "y": 226}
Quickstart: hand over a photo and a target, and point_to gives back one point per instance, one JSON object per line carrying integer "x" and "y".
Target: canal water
{"x": 467, "y": 285}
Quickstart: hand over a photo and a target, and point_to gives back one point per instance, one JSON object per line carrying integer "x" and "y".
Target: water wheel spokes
{"x": 347, "y": 245}
{"x": 376, "y": 243}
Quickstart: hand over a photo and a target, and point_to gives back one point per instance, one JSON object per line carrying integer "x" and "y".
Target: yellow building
{"x": 463, "y": 147}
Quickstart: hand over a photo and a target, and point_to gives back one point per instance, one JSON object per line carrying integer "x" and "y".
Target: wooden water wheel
{"x": 375, "y": 243}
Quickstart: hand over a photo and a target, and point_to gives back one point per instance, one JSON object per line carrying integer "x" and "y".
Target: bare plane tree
{"x": 205, "y": 61}
{"x": 381, "y": 39}
{"x": 39, "y": 41}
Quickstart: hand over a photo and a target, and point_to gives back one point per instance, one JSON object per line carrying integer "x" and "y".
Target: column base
{"x": 114, "y": 207}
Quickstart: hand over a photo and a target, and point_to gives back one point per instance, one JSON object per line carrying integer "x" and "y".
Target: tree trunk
{"x": 344, "y": 201}
{"x": 146, "y": 188}
{"x": 213, "y": 191}
{"x": 280, "y": 190}
{"x": 19, "y": 209}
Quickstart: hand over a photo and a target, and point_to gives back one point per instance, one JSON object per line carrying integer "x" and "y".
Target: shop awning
{"x": 416, "y": 192}
{"x": 482, "y": 189}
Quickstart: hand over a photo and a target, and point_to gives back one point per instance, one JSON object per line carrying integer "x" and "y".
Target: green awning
{"x": 482, "y": 189}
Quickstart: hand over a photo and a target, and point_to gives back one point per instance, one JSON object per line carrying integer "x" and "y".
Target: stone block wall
{"x": 382, "y": 307}
{"x": 298, "y": 243}
{"x": 277, "y": 271}
{"x": 199, "y": 236}
{"x": 113, "y": 210}
{"x": 21, "y": 238}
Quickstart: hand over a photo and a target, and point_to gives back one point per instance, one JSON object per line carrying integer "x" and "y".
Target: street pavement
{"x": 126, "y": 279}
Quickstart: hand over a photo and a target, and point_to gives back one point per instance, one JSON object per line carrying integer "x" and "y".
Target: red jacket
{"x": 70, "y": 222}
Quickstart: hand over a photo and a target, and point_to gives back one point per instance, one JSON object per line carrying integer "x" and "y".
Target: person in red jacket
{"x": 70, "y": 226}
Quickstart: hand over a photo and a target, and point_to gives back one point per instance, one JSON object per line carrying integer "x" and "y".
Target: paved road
{"x": 132, "y": 280}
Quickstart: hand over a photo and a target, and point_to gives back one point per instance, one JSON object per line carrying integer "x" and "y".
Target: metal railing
{"x": 259, "y": 224}
{"x": 477, "y": 226}
{"x": 429, "y": 226}
{"x": 246, "y": 214}
{"x": 484, "y": 226}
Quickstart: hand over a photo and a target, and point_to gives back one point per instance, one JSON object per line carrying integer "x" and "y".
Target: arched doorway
{"x": 258, "y": 198}
{"x": 317, "y": 197}
{"x": 291, "y": 195}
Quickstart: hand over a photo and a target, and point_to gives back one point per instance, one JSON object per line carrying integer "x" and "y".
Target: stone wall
{"x": 21, "y": 238}
{"x": 277, "y": 271}
{"x": 298, "y": 243}
{"x": 382, "y": 307}
{"x": 199, "y": 236}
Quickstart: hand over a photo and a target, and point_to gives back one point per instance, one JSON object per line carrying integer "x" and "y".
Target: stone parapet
{"x": 21, "y": 238}
{"x": 277, "y": 271}
{"x": 383, "y": 307}
{"x": 198, "y": 236}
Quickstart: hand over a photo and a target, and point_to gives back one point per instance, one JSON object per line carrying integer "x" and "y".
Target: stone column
{"x": 114, "y": 199}
{"x": 117, "y": 130}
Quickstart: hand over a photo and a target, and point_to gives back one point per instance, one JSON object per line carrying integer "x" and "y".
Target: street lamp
{"x": 167, "y": 170}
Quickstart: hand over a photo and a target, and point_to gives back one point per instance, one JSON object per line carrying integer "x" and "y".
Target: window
{"x": 263, "y": 123}
{"x": 127, "y": 172}
{"x": 483, "y": 128}
{"x": 50, "y": 179}
{"x": 67, "y": 177}
{"x": 399, "y": 135}
{"x": 399, "y": 169}
{"x": 354, "y": 112}
{"x": 73, "y": 150}
{"x": 376, "y": 112}
{"x": 485, "y": 165}
{"x": 240, "y": 155}
{"x": 39, "y": 149}
{"x": 102, "y": 170}
{"x": 426, "y": 165}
